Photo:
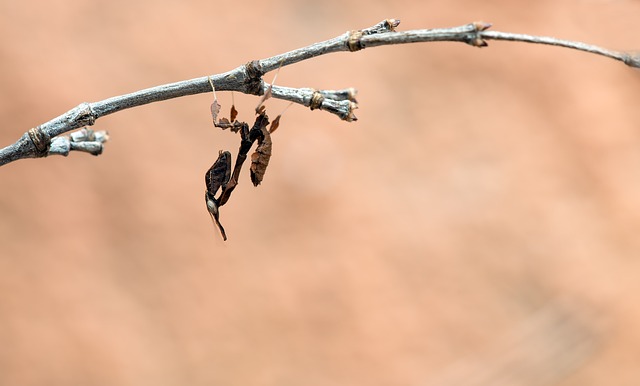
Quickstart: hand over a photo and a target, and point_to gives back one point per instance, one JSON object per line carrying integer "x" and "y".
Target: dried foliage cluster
{"x": 219, "y": 176}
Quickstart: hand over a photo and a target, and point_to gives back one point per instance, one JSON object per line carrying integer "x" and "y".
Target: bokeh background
{"x": 478, "y": 225}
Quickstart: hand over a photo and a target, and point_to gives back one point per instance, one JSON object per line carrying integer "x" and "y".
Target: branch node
{"x": 351, "y": 117}
{"x": 41, "y": 141}
{"x": 316, "y": 100}
{"x": 253, "y": 81}
{"x": 391, "y": 24}
{"x": 475, "y": 37}
{"x": 353, "y": 42}
{"x": 85, "y": 116}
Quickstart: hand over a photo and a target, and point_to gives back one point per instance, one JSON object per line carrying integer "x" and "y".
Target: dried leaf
{"x": 215, "y": 106}
{"x": 215, "y": 110}
{"x": 218, "y": 175}
{"x": 233, "y": 114}
{"x": 260, "y": 158}
{"x": 275, "y": 124}
{"x": 245, "y": 146}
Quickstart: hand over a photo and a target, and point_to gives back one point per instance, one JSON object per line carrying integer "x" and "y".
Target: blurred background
{"x": 478, "y": 225}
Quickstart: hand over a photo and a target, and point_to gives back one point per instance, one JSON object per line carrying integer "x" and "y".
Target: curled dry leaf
{"x": 215, "y": 106}
{"x": 276, "y": 122}
{"x": 217, "y": 177}
{"x": 224, "y": 123}
{"x": 260, "y": 158}
{"x": 246, "y": 140}
{"x": 215, "y": 110}
{"x": 220, "y": 177}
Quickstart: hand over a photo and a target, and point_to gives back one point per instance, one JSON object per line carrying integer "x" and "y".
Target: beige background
{"x": 477, "y": 226}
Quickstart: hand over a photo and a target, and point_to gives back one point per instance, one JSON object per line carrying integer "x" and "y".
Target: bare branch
{"x": 247, "y": 79}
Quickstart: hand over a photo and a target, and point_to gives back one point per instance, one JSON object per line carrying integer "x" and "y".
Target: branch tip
{"x": 392, "y": 24}
{"x": 478, "y": 42}
{"x": 348, "y": 94}
{"x": 475, "y": 38}
{"x": 387, "y": 25}
{"x": 84, "y": 140}
{"x": 481, "y": 26}
{"x": 351, "y": 117}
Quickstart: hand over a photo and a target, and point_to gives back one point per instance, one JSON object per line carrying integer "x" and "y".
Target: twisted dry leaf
{"x": 260, "y": 158}
{"x": 215, "y": 110}
{"x": 234, "y": 113}
{"x": 217, "y": 177}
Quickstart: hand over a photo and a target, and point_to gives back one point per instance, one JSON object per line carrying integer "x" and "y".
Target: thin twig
{"x": 247, "y": 79}
{"x": 627, "y": 58}
{"x": 85, "y": 140}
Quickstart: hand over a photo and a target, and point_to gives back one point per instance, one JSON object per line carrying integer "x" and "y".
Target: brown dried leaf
{"x": 260, "y": 158}
{"x": 275, "y": 124}
{"x": 233, "y": 114}
{"x": 218, "y": 175}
